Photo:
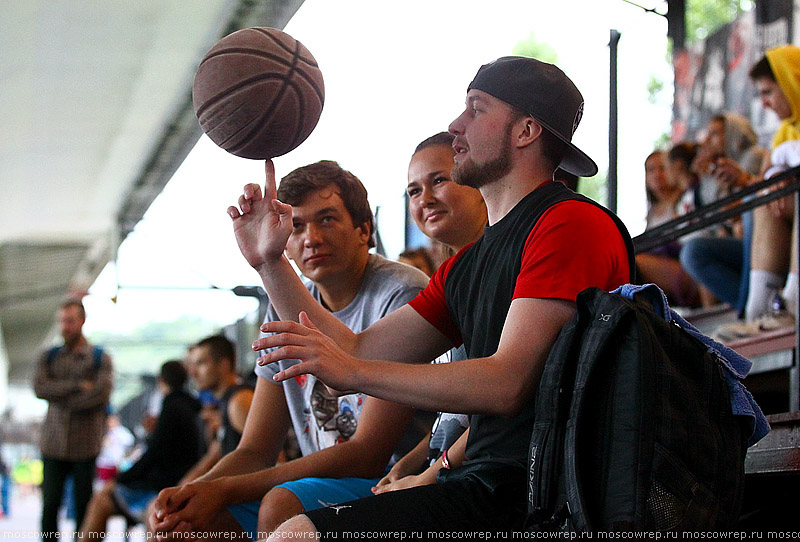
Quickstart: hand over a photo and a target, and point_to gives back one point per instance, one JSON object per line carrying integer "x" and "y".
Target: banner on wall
{"x": 711, "y": 77}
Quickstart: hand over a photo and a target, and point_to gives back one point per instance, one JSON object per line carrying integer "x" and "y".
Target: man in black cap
{"x": 505, "y": 298}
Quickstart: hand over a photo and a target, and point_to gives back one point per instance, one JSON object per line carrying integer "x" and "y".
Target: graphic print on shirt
{"x": 331, "y": 419}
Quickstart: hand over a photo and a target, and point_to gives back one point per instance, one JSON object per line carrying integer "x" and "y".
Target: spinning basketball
{"x": 258, "y": 93}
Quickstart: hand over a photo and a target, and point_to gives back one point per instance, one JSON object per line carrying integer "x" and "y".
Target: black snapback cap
{"x": 544, "y": 92}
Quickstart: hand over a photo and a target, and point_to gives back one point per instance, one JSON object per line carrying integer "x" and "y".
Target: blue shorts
{"x": 132, "y": 502}
{"x": 313, "y": 493}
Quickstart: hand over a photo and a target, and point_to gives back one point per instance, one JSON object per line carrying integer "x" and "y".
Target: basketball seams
{"x": 280, "y": 60}
{"x": 276, "y": 105}
{"x": 267, "y": 116}
{"x": 285, "y": 47}
{"x": 253, "y": 52}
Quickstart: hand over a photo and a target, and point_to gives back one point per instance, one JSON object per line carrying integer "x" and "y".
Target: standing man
{"x": 350, "y": 437}
{"x": 505, "y": 297}
{"x": 76, "y": 380}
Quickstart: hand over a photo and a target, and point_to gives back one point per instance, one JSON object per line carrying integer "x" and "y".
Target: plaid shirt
{"x": 76, "y": 418}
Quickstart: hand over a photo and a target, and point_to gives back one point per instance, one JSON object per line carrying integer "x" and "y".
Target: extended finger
{"x": 283, "y": 326}
{"x": 270, "y": 189}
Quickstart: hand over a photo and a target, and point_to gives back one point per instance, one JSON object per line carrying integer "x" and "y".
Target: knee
{"x": 277, "y": 506}
{"x": 102, "y": 502}
{"x": 688, "y": 254}
{"x": 298, "y": 528}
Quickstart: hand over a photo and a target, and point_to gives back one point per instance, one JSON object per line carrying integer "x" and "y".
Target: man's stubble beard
{"x": 470, "y": 174}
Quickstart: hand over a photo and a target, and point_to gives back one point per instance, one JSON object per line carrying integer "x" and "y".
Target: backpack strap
{"x": 97, "y": 356}
{"x": 51, "y": 354}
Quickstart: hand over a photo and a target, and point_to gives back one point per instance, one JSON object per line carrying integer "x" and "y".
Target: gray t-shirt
{"x": 319, "y": 419}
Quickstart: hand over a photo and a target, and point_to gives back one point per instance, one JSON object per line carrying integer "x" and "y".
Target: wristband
{"x": 445, "y": 462}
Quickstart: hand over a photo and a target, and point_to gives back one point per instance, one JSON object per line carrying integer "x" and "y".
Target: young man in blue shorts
{"x": 349, "y": 437}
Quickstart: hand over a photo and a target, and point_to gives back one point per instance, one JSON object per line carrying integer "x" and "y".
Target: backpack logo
{"x": 604, "y": 317}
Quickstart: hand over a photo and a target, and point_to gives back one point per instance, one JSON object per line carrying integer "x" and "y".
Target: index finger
{"x": 270, "y": 188}
{"x": 281, "y": 326}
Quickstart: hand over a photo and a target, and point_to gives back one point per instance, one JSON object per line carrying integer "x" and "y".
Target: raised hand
{"x": 261, "y": 223}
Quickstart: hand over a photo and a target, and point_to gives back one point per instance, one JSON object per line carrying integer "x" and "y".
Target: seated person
{"x": 351, "y": 437}
{"x": 172, "y": 448}
{"x": 454, "y": 215}
{"x": 667, "y": 177}
{"x": 419, "y": 258}
{"x": 772, "y": 294}
{"x": 717, "y": 258}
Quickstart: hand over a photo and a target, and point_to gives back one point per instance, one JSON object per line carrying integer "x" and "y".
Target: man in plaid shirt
{"x": 78, "y": 387}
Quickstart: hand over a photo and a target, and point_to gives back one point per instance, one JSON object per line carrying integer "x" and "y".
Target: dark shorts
{"x": 424, "y": 512}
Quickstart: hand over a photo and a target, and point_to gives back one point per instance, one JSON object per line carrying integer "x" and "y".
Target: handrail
{"x": 718, "y": 211}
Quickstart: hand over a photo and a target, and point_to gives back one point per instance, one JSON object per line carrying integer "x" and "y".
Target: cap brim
{"x": 575, "y": 161}
{"x": 578, "y": 162}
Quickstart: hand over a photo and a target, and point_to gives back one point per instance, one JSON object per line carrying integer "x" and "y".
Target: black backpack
{"x": 634, "y": 428}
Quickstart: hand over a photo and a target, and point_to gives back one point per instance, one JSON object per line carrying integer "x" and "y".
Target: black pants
{"x": 55, "y": 472}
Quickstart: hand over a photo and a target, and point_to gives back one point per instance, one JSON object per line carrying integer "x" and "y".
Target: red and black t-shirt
{"x": 574, "y": 244}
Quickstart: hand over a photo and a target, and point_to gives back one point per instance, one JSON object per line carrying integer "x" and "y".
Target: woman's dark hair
{"x": 444, "y": 139}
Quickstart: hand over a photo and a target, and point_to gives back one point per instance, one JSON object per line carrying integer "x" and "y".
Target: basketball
{"x": 258, "y": 93}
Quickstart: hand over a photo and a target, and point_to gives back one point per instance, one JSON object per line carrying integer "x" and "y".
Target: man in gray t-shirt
{"x": 346, "y": 442}
{"x": 319, "y": 418}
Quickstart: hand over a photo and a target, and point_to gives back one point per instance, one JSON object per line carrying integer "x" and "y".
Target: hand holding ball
{"x": 258, "y": 93}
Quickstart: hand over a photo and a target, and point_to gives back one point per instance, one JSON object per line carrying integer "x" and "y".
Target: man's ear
{"x": 364, "y": 227}
{"x": 526, "y": 131}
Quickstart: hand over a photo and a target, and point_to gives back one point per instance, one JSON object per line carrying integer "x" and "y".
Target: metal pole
{"x": 612, "y": 123}
{"x": 794, "y": 372}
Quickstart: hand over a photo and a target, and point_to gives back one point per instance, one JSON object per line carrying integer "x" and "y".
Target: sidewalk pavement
{"x": 23, "y": 523}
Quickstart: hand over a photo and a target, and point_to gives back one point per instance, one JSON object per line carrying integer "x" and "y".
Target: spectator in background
{"x": 419, "y": 258}
{"x": 5, "y": 489}
{"x": 772, "y": 295}
{"x": 215, "y": 371}
{"x": 117, "y": 442}
{"x": 717, "y": 257}
{"x": 667, "y": 177}
{"x": 172, "y": 448}
{"x": 75, "y": 379}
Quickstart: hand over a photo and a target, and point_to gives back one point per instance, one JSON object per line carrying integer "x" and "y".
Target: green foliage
{"x": 662, "y": 142}
{"x": 595, "y": 188}
{"x": 144, "y": 349}
{"x": 703, "y": 17}
{"x": 654, "y": 87}
{"x": 535, "y": 49}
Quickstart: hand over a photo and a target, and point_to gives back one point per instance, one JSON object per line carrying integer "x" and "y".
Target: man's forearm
{"x": 238, "y": 462}
{"x": 289, "y": 296}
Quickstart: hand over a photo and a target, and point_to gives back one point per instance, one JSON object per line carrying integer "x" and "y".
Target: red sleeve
{"x": 573, "y": 246}
{"x": 431, "y": 304}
